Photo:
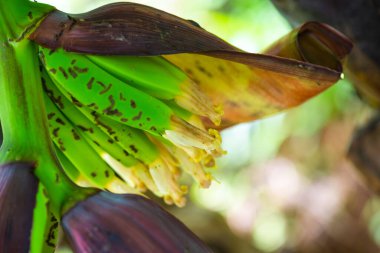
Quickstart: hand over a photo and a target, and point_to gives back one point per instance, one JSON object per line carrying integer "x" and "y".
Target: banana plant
{"x": 97, "y": 108}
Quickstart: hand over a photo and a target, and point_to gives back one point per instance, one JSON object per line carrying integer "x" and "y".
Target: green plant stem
{"x": 20, "y": 16}
{"x": 24, "y": 122}
{"x": 22, "y": 111}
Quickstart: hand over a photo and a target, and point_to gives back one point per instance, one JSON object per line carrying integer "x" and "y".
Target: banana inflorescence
{"x": 136, "y": 120}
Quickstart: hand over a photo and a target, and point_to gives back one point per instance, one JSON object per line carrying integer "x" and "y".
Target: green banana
{"x": 75, "y": 147}
{"x": 90, "y": 86}
{"x": 165, "y": 81}
{"x": 162, "y": 174}
{"x": 146, "y": 150}
{"x": 159, "y": 178}
{"x": 132, "y": 140}
{"x": 94, "y": 136}
{"x": 85, "y": 125}
{"x": 70, "y": 170}
{"x": 112, "y": 140}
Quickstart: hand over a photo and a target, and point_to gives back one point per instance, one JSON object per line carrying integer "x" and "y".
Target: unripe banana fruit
{"x": 117, "y": 112}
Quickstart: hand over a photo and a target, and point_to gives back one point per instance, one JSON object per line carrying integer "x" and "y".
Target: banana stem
{"x": 22, "y": 111}
{"x": 18, "y": 17}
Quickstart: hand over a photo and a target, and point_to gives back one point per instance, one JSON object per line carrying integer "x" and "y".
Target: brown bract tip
{"x": 124, "y": 29}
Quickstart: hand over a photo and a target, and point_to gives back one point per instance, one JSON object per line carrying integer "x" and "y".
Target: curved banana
{"x": 120, "y": 141}
{"x": 146, "y": 150}
{"x": 108, "y": 138}
{"x": 85, "y": 125}
{"x": 75, "y": 148}
{"x": 70, "y": 170}
{"x": 93, "y": 87}
{"x": 90, "y": 86}
{"x": 165, "y": 81}
{"x": 134, "y": 141}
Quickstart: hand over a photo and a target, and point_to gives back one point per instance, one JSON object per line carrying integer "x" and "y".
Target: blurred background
{"x": 285, "y": 184}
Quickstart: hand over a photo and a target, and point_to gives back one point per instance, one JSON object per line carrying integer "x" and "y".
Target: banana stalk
{"x": 26, "y": 139}
{"x": 1, "y": 135}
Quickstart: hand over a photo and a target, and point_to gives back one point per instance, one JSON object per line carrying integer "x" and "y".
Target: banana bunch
{"x": 76, "y": 119}
{"x": 137, "y": 121}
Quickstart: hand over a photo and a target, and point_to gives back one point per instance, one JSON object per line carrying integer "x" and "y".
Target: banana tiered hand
{"x": 109, "y": 109}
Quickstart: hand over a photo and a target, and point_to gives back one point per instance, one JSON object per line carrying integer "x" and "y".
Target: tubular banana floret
{"x": 158, "y": 178}
{"x": 124, "y": 172}
{"x": 167, "y": 183}
{"x": 165, "y": 81}
{"x": 168, "y": 158}
{"x": 184, "y": 134}
{"x": 142, "y": 172}
{"x": 195, "y": 169}
{"x": 185, "y": 115}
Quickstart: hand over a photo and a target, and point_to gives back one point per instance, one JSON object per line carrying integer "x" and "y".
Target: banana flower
{"x": 126, "y": 99}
